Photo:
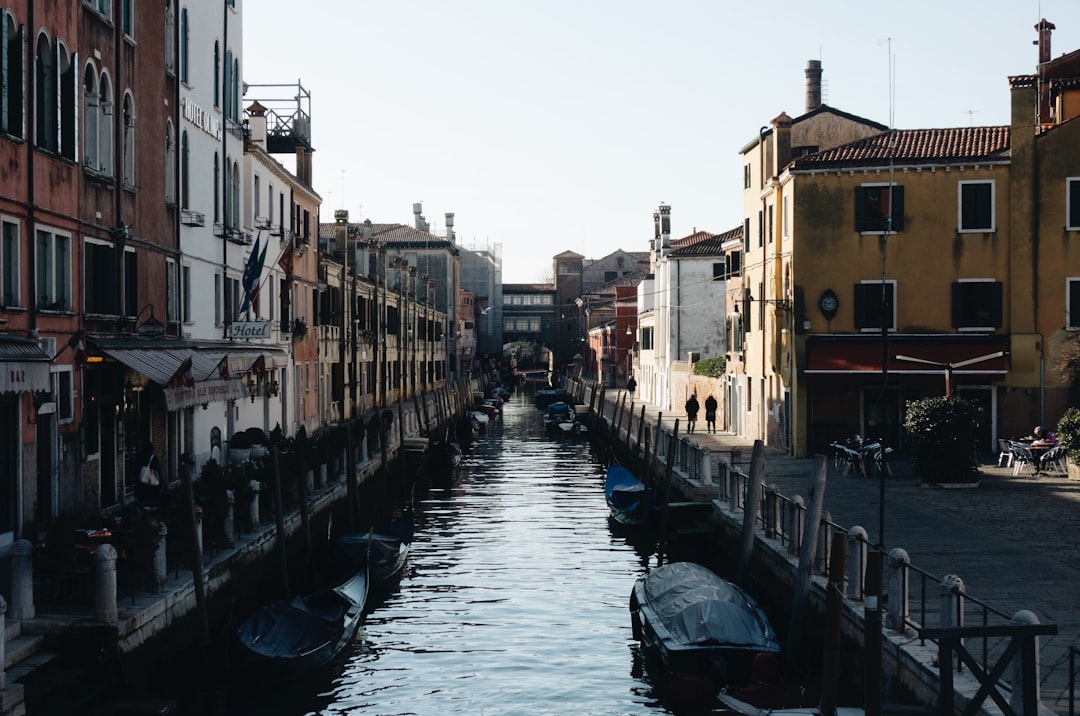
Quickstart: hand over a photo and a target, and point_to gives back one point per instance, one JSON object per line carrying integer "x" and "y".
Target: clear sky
{"x": 561, "y": 125}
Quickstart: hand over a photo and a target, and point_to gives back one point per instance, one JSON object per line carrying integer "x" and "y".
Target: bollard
{"x": 22, "y": 581}
{"x": 856, "y": 562}
{"x": 1017, "y": 698}
{"x": 824, "y": 545}
{"x": 896, "y": 598}
{"x": 230, "y": 518}
{"x": 706, "y": 467}
{"x": 952, "y": 606}
{"x": 795, "y": 524}
{"x": 158, "y": 564}
{"x": 253, "y": 508}
{"x": 105, "y": 584}
{"x": 3, "y": 630}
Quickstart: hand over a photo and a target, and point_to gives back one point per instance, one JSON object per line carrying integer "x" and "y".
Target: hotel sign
{"x": 202, "y": 119}
{"x": 250, "y": 329}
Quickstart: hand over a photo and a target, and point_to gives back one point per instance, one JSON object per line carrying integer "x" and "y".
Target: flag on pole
{"x": 258, "y": 368}
{"x": 222, "y": 369}
{"x": 78, "y": 349}
{"x": 252, "y": 275}
{"x": 286, "y": 264}
{"x": 184, "y": 377}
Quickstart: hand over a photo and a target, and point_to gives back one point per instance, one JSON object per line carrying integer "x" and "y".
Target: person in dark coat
{"x": 692, "y": 408}
{"x": 710, "y": 414}
{"x": 631, "y": 386}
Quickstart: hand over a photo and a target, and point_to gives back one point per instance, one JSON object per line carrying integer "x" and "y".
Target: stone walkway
{"x": 1014, "y": 541}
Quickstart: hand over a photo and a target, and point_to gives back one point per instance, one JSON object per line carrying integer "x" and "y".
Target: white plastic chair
{"x": 1053, "y": 461}
{"x": 1005, "y": 454}
{"x": 1022, "y": 458}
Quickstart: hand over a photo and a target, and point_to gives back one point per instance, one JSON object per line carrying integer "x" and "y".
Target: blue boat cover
{"x": 699, "y": 607}
{"x": 622, "y": 490}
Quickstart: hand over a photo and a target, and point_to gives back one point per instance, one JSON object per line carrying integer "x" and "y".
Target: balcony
{"x": 189, "y": 217}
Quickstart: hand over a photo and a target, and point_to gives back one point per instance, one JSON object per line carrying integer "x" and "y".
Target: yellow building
{"x": 909, "y": 263}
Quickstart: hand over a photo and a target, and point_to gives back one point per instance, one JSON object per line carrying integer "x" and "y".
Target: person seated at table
{"x": 1041, "y": 438}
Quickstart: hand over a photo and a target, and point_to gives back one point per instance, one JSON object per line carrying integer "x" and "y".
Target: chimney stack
{"x": 813, "y": 85}
{"x": 450, "y": 226}
{"x": 1044, "y": 28}
{"x": 418, "y": 221}
{"x": 257, "y": 124}
{"x": 665, "y": 229}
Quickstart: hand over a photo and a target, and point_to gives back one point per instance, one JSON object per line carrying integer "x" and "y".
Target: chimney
{"x": 813, "y": 85}
{"x": 257, "y": 124}
{"x": 1044, "y": 28}
{"x": 303, "y": 165}
{"x": 450, "y": 226}
{"x": 665, "y": 229}
{"x": 418, "y": 221}
{"x": 1046, "y": 112}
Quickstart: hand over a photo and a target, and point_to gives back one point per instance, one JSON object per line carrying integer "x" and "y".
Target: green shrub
{"x": 942, "y": 439}
{"x": 711, "y": 367}
{"x": 1068, "y": 433}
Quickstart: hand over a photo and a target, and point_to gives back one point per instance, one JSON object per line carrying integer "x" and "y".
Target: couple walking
{"x": 692, "y": 408}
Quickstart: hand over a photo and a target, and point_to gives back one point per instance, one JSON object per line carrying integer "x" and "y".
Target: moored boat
{"x": 561, "y": 419}
{"x": 628, "y": 500}
{"x": 701, "y": 628}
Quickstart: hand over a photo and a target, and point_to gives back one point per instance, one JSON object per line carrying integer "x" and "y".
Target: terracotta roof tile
{"x": 703, "y": 243}
{"x": 914, "y": 146}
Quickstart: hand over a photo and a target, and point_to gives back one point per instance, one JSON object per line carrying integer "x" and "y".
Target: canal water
{"x": 514, "y": 600}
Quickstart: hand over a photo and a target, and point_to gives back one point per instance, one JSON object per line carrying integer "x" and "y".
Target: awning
{"x": 847, "y": 357}
{"x": 24, "y": 366}
{"x": 161, "y": 364}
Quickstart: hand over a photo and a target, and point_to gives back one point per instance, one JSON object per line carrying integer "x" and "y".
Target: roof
{"x": 703, "y": 243}
{"x": 820, "y": 109}
{"x": 957, "y": 145}
{"x": 387, "y": 234}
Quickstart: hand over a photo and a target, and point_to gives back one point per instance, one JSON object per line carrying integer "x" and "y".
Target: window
{"x": 45, "y": 76}
{"x": 217, "y": 299}
{"x": 53, "y": 279}
{"x": 771, "y": 223}
{"x": 131, "y": 283}
{"x": 746, "y": 176}
{"x": 976, "y": 304}
{"x": 170, "y": 291}
{"x": 232, "y": 298}
{"x": 127, "y": 20}
{"x": 184, "y": 44}
{"x": 170, "y": 163}
{"x": 104, "y": 7}
{"x": 217, "y": 74}
{"x": 9, "y": 263}
{"x": 91, "y": 106}
{"x": 234, "y": 188}
{"x": 256, "y": 197}
{"x": 185, "y": 170}
{"x": 719, "y": 271}
{"x": 760, "y": 229}
{"x": 1072, "y": 203}
{"x": 185, "y": 294}
{"x": 129, "y": 141}
{"x": 746, "y": 235}
{"x": 217, "y": 188}
{"x": 105, "y": 110}
{"x": 876, "y": 205}
{"x": 1072, "y": 304}
{"x": 170, "y": 39}
{"x": 12, "y": 97}
{"x": 227, "y": 100}
{"x": 976, "y": 206}
{"x": 101, "y": 284}
{"x": 65, "y": 394}
{"x": 872, "y": 300}
{"x": 228, "y": 192}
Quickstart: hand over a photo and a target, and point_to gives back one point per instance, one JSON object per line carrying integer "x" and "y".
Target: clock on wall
{"x": 829, "y": 303}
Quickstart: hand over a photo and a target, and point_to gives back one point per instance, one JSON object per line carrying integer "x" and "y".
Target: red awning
{"x": 848, "y": 357}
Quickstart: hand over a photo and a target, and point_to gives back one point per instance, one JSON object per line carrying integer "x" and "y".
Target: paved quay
{"x": 1014, "y": 541}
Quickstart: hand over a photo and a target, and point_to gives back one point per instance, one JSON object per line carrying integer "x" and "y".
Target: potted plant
{"x": 942, "y": 438}
{"x": 1068, "y": 435}
{"x": 240, "y": 447}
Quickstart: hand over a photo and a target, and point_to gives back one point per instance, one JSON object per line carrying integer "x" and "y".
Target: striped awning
{"x": 24, "y": 366}
{"x": 161, "y": 364}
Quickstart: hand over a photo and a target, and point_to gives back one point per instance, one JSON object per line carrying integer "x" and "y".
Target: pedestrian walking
{"x": 631, "y": 386}
{"x": 710, "y": 414}
{"x": 692, "y": 408}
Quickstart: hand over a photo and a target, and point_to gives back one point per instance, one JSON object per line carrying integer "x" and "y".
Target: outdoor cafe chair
{"x": 1053, "y": 461}
{"x": 1005, "y": 454}
{"x": 1023, "y": 459}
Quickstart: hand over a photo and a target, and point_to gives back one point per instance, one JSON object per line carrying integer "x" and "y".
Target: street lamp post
{"x": 341, "y": 218}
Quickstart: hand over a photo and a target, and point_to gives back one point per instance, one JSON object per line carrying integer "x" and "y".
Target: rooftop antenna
{"x": 342, "y": 188}
{"x": 970, "y": 113}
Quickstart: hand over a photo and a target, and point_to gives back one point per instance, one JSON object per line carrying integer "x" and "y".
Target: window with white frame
{"x": 170, "y": 41}
{"x": 127, "y": 17}
{"x": 185, "y": 170}
{"x": 52, "y": 282}
{"x": 184, "y": 45}
{"x": 217, "y": 74}
{"x": 91, "y": 114}
{"x": 874, "y": 303}
{"x": 1072, "y": 304}
{"x": 185, "y": 294}
{"x": 9, "y": 263}
{"x": 55, "y": 79}
{"x": 976, "y": 210}
{"x": 977, "y": 304}
{"x": 170, "y": 291}
{"x": 1072, "y": 203}
{"x": 217, "y": 299}
{"x": 879, "y": 208}
{"x": 12, "y": 90}
{"x": 234, "y": 190}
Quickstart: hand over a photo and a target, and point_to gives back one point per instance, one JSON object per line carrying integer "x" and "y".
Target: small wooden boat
{"x": 702, "y": 628}
{"x": 561, "y": 419}
{"x": 287, "y": 639}
{"x": 628, "y": 500}
{"x": 382, "y": 553}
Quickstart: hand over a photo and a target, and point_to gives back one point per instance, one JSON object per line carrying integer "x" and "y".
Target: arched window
{"x": 227, "y": 103}
{"x": 129, "y": 140}
{"x": 170, "y": 163}
{"x": 227, "y": 221}
{"x": 236, "y": 90}
{"x": 184, "y": 44}
{"x": 12, "y": 97}
{"x": 91, "y": 111}
{"x": 185, "y": 170}
{"x": 105, "y": 131}
{"x": 45, "y": 83}
{"x": 67, "y": 79}
{"x": 170, "y": 36}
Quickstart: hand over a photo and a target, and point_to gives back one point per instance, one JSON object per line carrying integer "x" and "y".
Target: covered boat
{"x": 382, "y": 553}
{"x": 292, "y": 638}
{"x": 627, "y": 498}
{"x": 699, "y": 624}
{"x": 561, "y": 419}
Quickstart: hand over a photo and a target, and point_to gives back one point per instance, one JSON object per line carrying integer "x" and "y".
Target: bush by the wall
{"x": 942, "y": 439}
{"x": 1068, "y": 433}
{"x": 711, "y": 367}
